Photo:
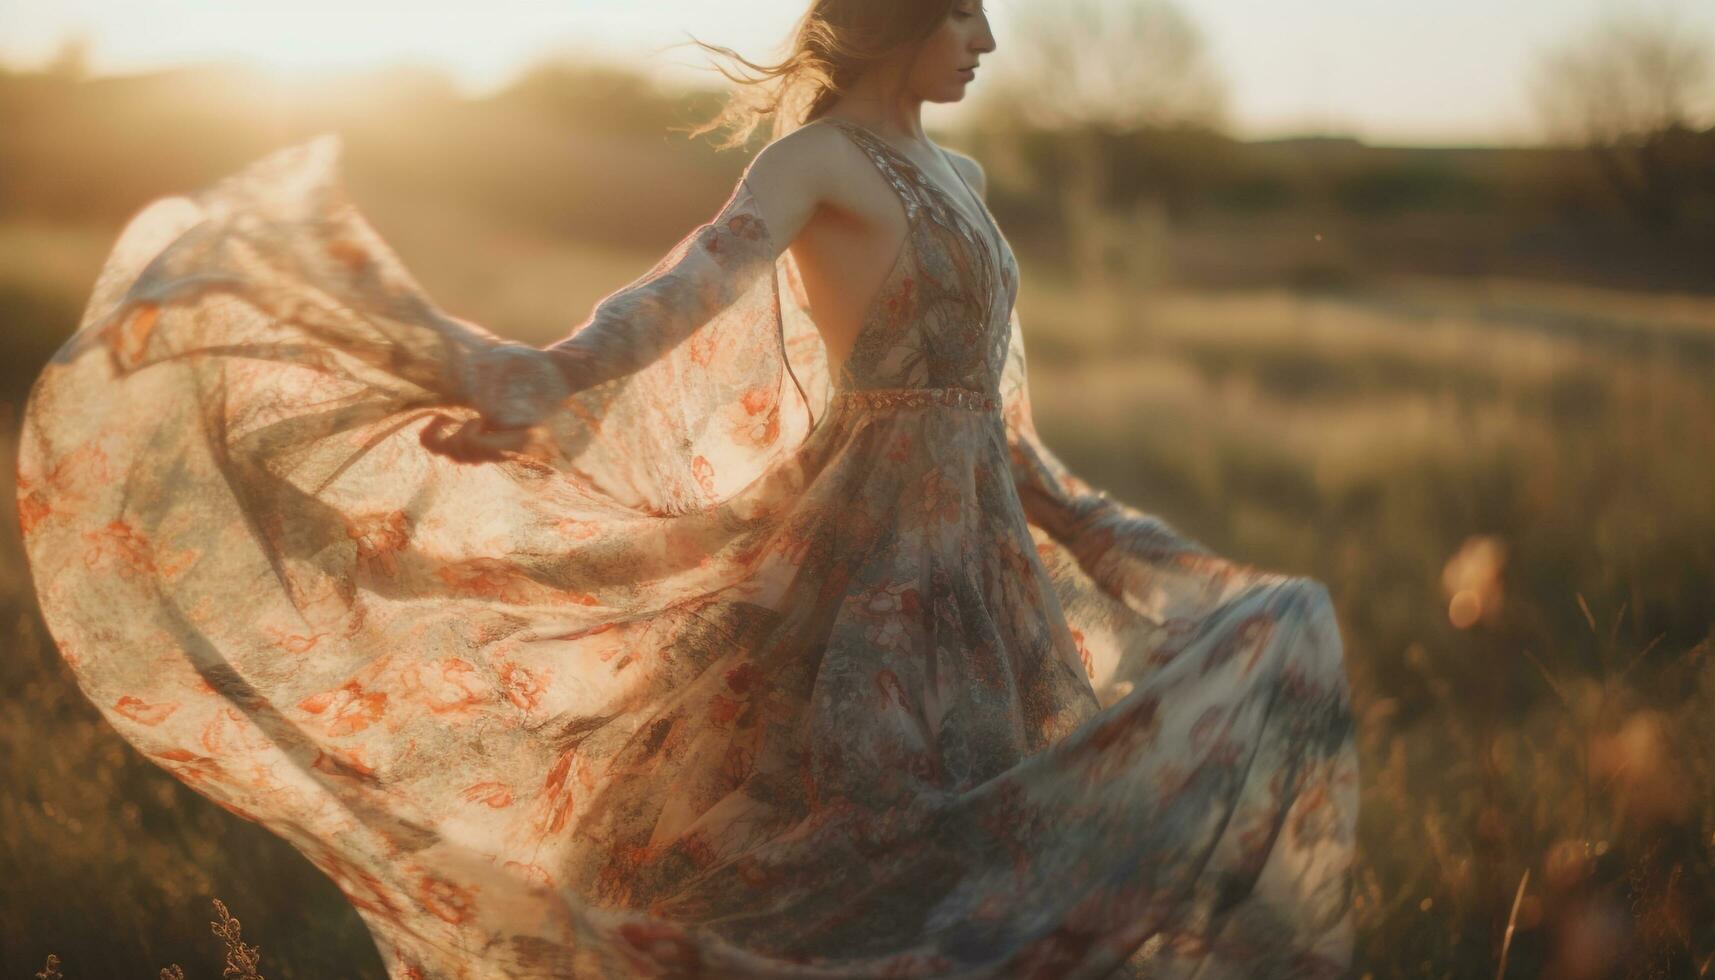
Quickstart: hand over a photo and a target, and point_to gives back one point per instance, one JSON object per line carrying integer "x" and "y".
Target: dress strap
{"x": 886, "y": 159}
{"x": 921, "y": 194}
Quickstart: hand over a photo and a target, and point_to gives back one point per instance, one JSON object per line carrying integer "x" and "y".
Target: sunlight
{"x": 482, "y": 46}
{"x": 1336, "y": 67}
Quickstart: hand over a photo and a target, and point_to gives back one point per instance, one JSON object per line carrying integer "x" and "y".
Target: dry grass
{"x": 241, "y": 957}
{"x": 1512, "y": 513}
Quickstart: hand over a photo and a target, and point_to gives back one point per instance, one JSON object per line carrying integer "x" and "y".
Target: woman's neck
{"x": 880, "y": 101}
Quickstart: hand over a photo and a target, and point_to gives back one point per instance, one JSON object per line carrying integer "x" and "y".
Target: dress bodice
{"x": 940, "y": 318}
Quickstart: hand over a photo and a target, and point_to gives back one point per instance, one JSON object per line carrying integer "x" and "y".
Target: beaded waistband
{"x": 966, "y": 398}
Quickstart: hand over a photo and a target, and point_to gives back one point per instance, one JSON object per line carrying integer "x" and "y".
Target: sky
{"x": 1396, "y": 72}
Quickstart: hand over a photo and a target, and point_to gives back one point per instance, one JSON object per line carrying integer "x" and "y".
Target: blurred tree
{"x": 1121, "y": 64}
{"x": 592, "y": 95}
{"x": 1627, "y": 89}
{"x": 71, "y": 59}
{"x": 1097, "y": 80}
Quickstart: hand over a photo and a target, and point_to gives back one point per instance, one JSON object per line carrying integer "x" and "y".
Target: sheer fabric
{"x": 761, "y": 667}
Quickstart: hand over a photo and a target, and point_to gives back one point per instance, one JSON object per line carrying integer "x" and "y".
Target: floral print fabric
{"x": 760, "y": 666}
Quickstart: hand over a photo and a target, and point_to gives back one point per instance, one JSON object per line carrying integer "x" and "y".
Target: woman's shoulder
{"x": 971, "y": 169}
{"x": 811, "y": 145}
{"x": 815, "y": 160}
{"x": 818, "y": 147}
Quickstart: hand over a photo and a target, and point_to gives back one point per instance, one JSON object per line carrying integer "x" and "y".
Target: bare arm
{"x": 784, "y": 185}
{"x": 973, "y": 172}
{"x": 514, "y": 386}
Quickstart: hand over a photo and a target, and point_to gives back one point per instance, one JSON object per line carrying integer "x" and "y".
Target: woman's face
{"x": 945, "y": 65}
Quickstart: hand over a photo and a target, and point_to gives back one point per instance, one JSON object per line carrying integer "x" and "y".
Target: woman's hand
{"x": 473, "y": 441}
{"x": 513, "y": 387}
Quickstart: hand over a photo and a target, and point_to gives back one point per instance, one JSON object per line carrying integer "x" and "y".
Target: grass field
{"x": 1531, "y": 461}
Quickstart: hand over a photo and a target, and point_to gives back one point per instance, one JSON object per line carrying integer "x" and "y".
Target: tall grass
{"x": 1515, "y": 522}
{"x": 242, "y": 958}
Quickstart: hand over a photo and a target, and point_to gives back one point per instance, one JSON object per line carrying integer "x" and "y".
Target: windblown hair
{"x": 834, "y": 44}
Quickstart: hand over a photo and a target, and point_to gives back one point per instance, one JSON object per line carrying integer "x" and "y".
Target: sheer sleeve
{"x": 1135, "y": 558}
{"x": 683, "y": 390}
{"x": 705, "y": 275}
{"x": 673, "y": 395}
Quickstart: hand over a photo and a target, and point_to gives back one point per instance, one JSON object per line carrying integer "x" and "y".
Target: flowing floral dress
{"x": 757, "y": 666}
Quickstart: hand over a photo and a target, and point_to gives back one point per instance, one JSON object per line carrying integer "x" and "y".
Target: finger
{"x": 458, "y": 444}
{"x": 508, "y": 439}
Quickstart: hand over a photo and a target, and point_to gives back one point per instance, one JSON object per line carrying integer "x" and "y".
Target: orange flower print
{"x": 144, "y": 713}
{"x": 128, "y": 338}
{"x": 576, "y": 529}
{"x": 488, "y": 578}
{"x": 892, "y": 688}
{"x": 87, "y": 465}
{"x": 889, "y": 609}
{"x": 899, "y": 450}
{"x": 33, "y": 507}
{"x": 939, "y": 498}
{"x": 900, "y": 304}
{"x": 531, "y": 872}
{"x": 754, "y": 419}
{"x": 130, "y": 551}
{"x": 556, "y": 798}
{"x": 704, "y": 471}
{"x": 704, "y": 347}
{"x": 722, "y": 711}
{"x": 698, "y": 848}
{"x": 446, "y": 686}
{"x": 1017, "y": 560}
{"x": 523, "y": 687}
{"x": 380, "y": 537}
{"x": 293, "y": 642}
{"x": 1111, "y": 748}
{"x": 490, "y": 794}
{"x": 230, "y": 733}
{"x": 1251, "y": 634}
{"x": 346, "y": 709}
{"x": 747, "y": 227}
{"x": 745, "y": 677}
{"x": 1084, "y": 654}
{"x": 348, "y": 253}
{"x": 453, "y": 903}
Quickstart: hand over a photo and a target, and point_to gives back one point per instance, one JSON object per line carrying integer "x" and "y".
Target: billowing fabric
{"x": 760, "y": 666}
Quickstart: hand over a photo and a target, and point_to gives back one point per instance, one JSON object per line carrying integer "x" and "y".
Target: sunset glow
{"x": 1451, "y": 72}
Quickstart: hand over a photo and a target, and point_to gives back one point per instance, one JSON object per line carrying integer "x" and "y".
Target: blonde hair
{"x": 834, "y": 44}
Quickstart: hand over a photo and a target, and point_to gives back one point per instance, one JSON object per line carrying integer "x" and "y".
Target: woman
{"x": 750, "y": 631}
